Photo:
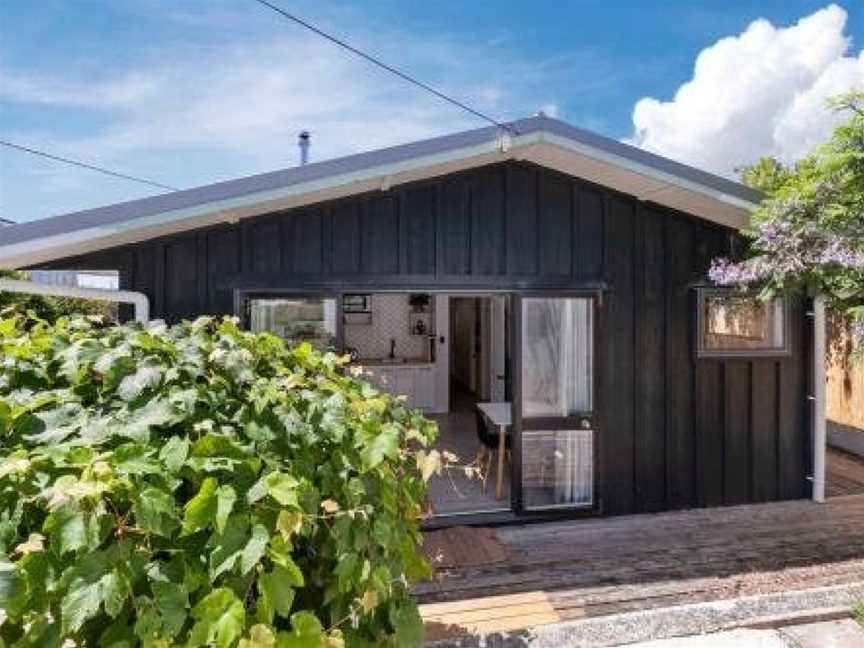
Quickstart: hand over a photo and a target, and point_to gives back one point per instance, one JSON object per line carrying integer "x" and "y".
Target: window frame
{"x": 701, "y": 352}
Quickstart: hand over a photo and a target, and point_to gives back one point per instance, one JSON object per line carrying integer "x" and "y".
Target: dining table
{"x": 499, "y": 415}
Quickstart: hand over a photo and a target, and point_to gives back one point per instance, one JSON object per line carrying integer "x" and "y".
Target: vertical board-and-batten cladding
{"x": 675, "y": 432}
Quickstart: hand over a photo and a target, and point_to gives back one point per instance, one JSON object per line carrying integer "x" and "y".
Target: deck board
{"x": 844, "y": 474}
{"x": 592, "y": 567}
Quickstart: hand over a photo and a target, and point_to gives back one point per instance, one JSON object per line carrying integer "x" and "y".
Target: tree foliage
{"x": 766, "y": 175}
{"x": 808, "y": 234}
{"x": 199, "y": 485}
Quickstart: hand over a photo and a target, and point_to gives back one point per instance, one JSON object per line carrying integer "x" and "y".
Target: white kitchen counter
{"x": 386, "y": 362}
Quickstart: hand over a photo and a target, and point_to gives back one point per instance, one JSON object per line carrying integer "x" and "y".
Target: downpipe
{"x": 819, "y": 423}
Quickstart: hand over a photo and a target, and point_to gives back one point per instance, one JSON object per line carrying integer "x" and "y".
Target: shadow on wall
{"x": 845, "y": 389}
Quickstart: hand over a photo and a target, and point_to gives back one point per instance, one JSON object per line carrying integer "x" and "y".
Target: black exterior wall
{"x": 676, "y": 432}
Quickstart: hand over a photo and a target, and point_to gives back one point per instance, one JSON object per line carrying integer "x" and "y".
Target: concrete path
{"x": 844, "y": 633}
{"x": 733, "y": 638}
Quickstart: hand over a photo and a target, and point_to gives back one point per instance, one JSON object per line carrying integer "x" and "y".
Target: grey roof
{"x": 186, "y": 198}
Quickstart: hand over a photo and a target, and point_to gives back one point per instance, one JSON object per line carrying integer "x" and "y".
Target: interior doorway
{"x": 478, "y": 347}
{"x": 476, "y": 373}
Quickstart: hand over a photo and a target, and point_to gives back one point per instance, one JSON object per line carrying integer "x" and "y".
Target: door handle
{"x": 500, "y": 377}
{"x": 585, "y": 424}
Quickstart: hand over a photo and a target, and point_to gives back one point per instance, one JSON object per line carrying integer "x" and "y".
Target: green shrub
{"x": 200, "y": 485}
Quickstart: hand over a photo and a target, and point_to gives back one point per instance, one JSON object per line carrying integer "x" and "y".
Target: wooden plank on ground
{"x": 487, "y": 614}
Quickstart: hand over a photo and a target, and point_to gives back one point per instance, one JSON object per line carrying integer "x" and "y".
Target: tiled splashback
{"x": 389, "y": 322}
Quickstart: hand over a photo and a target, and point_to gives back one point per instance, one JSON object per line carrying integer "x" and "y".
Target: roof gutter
{"x": 138, "y": 300}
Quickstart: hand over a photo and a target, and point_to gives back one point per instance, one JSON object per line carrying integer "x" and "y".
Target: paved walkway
{"x": 844, "y": 633}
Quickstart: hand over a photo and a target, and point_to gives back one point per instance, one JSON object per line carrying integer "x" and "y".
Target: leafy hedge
{"x": 49, "y": 308}
{"x": 200, "y": 485}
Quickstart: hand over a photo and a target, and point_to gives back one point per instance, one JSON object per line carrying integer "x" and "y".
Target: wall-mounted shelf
{"x": 420, "y": 323}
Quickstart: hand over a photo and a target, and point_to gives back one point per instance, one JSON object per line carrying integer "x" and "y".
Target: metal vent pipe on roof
{"x": 303, "y": 142}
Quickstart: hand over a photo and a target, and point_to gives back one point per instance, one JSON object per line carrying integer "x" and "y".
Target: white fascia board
{"x": 231, "y": 209}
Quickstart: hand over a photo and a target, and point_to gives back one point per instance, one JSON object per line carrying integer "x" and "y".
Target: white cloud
{"x": 761, "y": 92}
{"x": 52, "y": 91}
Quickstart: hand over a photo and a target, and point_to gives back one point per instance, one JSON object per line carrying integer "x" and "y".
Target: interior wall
{"x": 390, "y": 314}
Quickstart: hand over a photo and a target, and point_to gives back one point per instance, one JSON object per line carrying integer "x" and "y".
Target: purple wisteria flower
{"x": 786, "y": 248}
{"x": 839, "y": 252}
{"x": 729, "y": 273}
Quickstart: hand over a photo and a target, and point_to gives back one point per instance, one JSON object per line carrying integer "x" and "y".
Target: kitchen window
{"x": 731, "y": 323}
{"x": 297, "y": 320}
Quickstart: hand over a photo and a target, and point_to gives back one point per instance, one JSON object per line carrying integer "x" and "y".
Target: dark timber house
{"x": 577, "y": 266}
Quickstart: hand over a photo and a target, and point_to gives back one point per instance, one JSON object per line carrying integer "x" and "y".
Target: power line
{"x": 389, "y": 68}
{"x": 84, "y": 165}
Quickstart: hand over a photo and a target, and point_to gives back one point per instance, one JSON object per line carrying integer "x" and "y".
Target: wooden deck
{"x": 576, "y": 569}
{"x": 844, "y": 474}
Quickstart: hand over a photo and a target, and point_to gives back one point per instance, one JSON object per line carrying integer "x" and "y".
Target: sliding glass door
{"x": 553, "y": 406}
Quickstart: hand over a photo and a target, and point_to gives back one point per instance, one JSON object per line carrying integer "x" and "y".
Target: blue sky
{"x": 192, "y": 92}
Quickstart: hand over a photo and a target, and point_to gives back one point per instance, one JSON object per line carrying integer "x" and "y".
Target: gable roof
{"x": 542, "y": 140}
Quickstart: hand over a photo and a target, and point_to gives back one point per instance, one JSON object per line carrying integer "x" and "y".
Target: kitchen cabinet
{"x": 414, "y": 381}
{"x": 424, "y": 388}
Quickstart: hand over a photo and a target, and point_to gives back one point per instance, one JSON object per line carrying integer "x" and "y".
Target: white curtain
{"x": 261, "y": 316}
{"x": 557, "y": 377}
{"x": 574, "y": 467}
{"x": 557, "y": 357}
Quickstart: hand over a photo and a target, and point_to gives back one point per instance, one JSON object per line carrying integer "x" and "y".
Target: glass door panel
{"x": 555, "y": 409}
{"x": 557, "y": 468}
{"x": 308, "y": 319}
{"x": 556, "y": 356}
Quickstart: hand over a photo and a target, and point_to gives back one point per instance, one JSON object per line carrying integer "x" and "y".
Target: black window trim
{"x": 702, "y": 353}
